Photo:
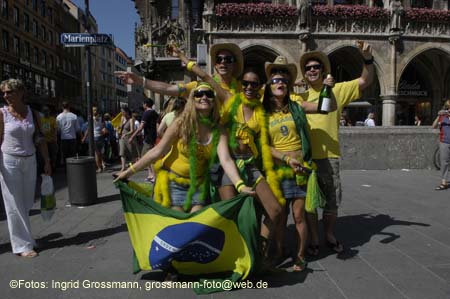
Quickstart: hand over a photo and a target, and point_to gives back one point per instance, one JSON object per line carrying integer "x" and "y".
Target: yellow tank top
{"x": 247, "y": 130}
{"x": 283, "y": 133}
{"x": 177, "y": 160}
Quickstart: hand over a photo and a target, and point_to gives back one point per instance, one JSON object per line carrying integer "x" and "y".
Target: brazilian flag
{"x": 218, "y": 241}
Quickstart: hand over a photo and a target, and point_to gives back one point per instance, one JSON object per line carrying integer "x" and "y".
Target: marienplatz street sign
{"x": 85, "y": 39}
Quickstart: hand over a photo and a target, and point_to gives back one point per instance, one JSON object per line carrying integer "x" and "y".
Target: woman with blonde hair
{"x": 20, "y": 134}
{"x": 189, "y": 148}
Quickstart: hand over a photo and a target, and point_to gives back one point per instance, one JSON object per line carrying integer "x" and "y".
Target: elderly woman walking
{"x": 19, "y": 133}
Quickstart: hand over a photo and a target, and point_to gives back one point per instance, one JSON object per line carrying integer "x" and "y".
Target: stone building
{"x": 30, "y": 50}
{"x": 410, "y": 41}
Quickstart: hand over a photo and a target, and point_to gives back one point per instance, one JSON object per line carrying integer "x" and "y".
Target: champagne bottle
{"x": 325, "y": 99}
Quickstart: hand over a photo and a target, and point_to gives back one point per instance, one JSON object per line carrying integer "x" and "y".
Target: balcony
{"x": 324, "y": 20}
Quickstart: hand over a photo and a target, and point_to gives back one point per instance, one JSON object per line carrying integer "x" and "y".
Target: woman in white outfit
{"x": 18, "y": 164}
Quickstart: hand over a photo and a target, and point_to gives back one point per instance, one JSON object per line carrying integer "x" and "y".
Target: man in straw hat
{"x": 228, "y": 63}
{"x": 323, "y": 129}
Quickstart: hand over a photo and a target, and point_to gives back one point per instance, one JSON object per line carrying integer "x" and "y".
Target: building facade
{"x": 30, "y": 50}
{"x": 410, "y": 41}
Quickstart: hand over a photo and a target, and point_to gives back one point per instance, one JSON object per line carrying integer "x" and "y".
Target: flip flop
{"x": 29, "y": 254}
{"x": 336, "y": 247}
{"x": 300, "y": 265}
{"x": 313, "y": 250}
{"x": 441, "y": 187}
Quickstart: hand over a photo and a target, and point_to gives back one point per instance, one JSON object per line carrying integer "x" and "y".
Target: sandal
{"x": 336, "y": 247}
{"x": 313, "y": 250}
{"x": 300, "y": 264}
{"x": 441, "y": 187}
{"x": 29, "y": 254}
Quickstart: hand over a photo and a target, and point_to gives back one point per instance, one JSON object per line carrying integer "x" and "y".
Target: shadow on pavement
{"x": 85, "y": 238}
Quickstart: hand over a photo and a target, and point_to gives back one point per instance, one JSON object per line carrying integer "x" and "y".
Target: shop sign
{"x": 411, "y": 89}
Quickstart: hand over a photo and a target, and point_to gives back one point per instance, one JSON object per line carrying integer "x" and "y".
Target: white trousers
{"x": 18, "y": 180}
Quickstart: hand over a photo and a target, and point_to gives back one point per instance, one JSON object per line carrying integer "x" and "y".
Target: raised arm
{"x": 155, "y": 86}
{"x": 368, "y": 69}
{"x": 222, "y": 94}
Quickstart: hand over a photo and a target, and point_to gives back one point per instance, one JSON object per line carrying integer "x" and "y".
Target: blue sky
{"x": 116, "y": 17}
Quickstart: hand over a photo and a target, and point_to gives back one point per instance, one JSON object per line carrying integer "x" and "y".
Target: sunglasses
{"x": 224, "y": 59}
{"x": 279, "y": 71}
{"x": 313, "y": 67}
{"x": 279, "y": 80}
{"x": 198, "y": 94}
{"x": 252, "y": 84}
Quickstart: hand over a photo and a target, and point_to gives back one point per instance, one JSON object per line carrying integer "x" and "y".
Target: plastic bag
{"x": 48, "y": 201}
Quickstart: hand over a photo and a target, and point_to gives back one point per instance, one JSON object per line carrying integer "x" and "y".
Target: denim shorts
{"x": 252, "y": 172}
{"x": 178, "y": 195}
{"x": 291, "y": 190}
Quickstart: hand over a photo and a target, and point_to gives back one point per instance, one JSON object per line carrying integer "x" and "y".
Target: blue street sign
{"x": 85, "y": 39}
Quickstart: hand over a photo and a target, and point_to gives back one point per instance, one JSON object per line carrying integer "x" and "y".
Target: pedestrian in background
{"x": 68, "y": 128}
{"x": 370, "y": 122}
{"x": 417, "y": 121}
{"x": 99, "y": 135}
{"x": 20, "y": 134}
{"x": 176, "y": 109}
{"x": 49, "y": 129}
{"x": 127, "y": 150}
{"x": 442, "y": 122}
{"x": 148, "y": 125}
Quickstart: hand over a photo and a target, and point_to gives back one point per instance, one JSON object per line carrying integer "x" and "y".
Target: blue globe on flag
{"x": 186, "y": 242}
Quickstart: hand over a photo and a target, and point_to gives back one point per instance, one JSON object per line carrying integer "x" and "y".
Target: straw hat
{"x": 281, "y": 63}
{"x": 315, "y": 55}
{"x": 235, "y": 50}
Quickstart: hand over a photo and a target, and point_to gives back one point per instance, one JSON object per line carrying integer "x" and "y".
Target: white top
{"x": 369, "y": 122}
{"x": 68, "y": 125}
{"x": 18, "y": 134}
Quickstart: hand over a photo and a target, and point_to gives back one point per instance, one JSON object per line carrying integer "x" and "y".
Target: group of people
{"x": 235, "y": 118}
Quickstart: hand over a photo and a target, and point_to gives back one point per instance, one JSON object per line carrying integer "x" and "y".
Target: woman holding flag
{"x": 189, "y": 147}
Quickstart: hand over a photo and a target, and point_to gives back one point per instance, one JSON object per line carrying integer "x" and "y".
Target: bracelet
{"x": 132, "y": 168}
{"x": 283, "y": 156}
{"x": 144, "y": 81}
{"x": 239, "y": 184}
{"x": 288, "y": 158}
{"x": 190, "y": 65}
{"x": 368, "y": 61}
{"x": 239, "y": 189}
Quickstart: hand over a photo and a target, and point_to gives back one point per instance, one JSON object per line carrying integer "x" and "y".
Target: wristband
{"x": 283, "y": 157}
{"x": 368, "y": 61}
{"x": 288, "y": 158}
{"x": 239, "y": 189}
{"x": 144, "y": 81}
{"x": 239, "y": 184}
{"x": 190, "y": 65}
{"x": 132, "y": 168}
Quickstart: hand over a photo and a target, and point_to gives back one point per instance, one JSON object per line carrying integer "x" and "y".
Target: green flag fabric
{"x": 218, "y": 241}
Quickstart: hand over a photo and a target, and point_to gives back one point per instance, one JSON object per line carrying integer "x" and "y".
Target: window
{"x": 44, "y": 58}
{"x": 51, "y": 62}
{"x": 50, "y": 14}
{"x": 174, "y": 11}
{"x": 35, "y": 28}
{"x": 45, "y": 85}
{"x": 52, "y": 88}
{"x": 7, "y": 71}
{"x": 16, "y": 46}
{"x": 34, "y": 3}
{"x": 43, "y": 8}
{"x": 44, "y": 33}
{"x": 5, "y": 40}
{"x": 26, "y": 50}
{"x": 50, "y": 37}
{"x": 37, "y": 83}
{"x": 26, "y": 22}
{"x": 36, "y": 55}
{"x": 16, "y": 16}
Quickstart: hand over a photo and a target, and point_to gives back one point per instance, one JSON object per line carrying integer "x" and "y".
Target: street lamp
{"x": 88, "y": 84}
